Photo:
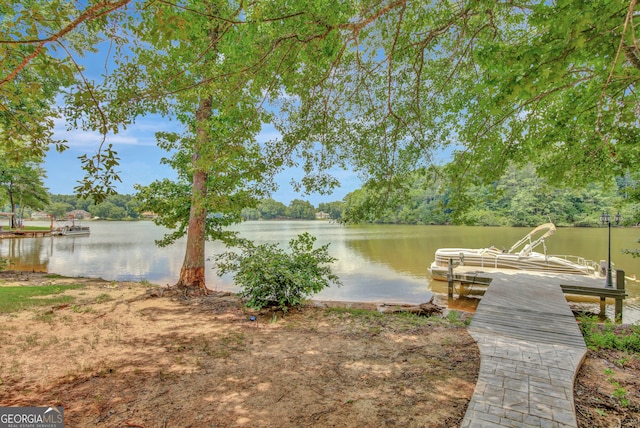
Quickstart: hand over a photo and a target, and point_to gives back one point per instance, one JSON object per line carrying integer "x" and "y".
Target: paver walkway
{"x": 530, "y": 350}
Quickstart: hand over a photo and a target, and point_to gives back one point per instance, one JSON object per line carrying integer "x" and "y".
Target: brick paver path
{"x": 531, "y": 349}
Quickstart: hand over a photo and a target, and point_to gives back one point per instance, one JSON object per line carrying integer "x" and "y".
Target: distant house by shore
{"x": 78, "y": 214}
{"x": 40, "y": 215}
{"x": 321, "y": 215}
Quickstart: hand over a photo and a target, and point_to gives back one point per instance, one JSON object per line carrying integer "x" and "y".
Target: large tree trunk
{"x": 192, "y": 276}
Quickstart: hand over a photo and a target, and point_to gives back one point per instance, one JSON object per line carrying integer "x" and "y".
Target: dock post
{"x": 619, "y": 286}
{"x": 603, "y": 308}
{"x": 450, "y": 278}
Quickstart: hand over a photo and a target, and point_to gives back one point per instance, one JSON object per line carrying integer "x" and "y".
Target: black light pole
{"x": 605, "y": 218}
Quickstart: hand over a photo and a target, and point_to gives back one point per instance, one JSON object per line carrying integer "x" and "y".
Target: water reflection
{"x": 26, "y": 255}
{"x": 465, "y": 297}
{"x": 406, "y": 255}
{"x": 375, "y": 262}
{"x": 410, "y": 249}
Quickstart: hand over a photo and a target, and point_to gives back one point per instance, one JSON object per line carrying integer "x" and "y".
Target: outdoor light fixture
{"x": 605, "y": 218}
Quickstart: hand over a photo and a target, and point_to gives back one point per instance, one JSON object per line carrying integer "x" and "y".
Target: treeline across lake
{"x": 518, "y": 198}
{"x": 114, "y": 207}
{"x": 126, "y": 207}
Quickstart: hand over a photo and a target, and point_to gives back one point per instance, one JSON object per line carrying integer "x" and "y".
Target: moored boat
{"x": 72, "y": 230}
{"x": 520, "y": 257}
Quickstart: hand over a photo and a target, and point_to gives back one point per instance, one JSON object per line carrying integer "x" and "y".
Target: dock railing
{"x": 618, "y": 293}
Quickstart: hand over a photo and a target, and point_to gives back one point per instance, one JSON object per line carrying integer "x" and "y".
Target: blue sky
{"x": 139, "y": 155}
{"x": 140, "y": 161}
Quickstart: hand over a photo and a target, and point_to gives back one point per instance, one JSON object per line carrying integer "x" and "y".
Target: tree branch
{"x": 96, "y": 11}
{"x": 629, "y": 17}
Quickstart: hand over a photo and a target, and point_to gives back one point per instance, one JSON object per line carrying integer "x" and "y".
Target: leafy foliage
{"x": 633, "y": 252}
{"x": 490, "y": 84}
{"x": 21, "y": 184}
{"x": 185, "y": 62}
{"x": 608, "y": 335}
{"x": 301, "y": 209}
{"x": 114, "y": 207}
{"x": 271, "y": 209}
{"x": 518, "y": 198}
{"x": 41, "y": 46}
{"x": 270, "y": 276}
{"x": 380, "y": 87}
{"x": 383, "y": 88}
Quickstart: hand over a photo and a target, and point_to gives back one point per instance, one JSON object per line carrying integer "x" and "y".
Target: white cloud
{"x": 141, "y": 133}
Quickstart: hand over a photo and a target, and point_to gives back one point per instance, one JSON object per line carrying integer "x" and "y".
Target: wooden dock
{"x": 531, "y": 348}
{"x": 25, "y": 233}
{"x": 470, "y": 277}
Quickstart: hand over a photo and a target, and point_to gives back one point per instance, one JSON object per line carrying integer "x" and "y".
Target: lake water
{"x": 381, "y": 263}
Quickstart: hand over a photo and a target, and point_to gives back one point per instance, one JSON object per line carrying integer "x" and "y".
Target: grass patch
{"x": 356, "y": 312}
{"x": 82, "y": 309}
{"x": 47, "y": 317}
{"x": 29, "y": 228}
{"x": 18, "y": 298}
{"x": 453, "y": 318}
{"x": 456, "y": 318}
{"x": 104, "y": 297}
{"x": 373, "y": 322}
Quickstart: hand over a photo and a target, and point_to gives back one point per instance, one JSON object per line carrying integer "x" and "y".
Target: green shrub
{"x": 608, "y": 335}
{"x": 270, "y": 276}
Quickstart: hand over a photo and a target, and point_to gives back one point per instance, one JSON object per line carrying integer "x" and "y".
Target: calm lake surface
{"x": 381, "y": 263}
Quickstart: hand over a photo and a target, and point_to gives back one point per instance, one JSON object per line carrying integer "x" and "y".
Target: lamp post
{"x": 605, "y": 218}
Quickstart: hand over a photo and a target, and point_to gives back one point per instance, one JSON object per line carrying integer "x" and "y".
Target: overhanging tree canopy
{"x": 383, "y": 87}
{"x": 214, "y": 70}
{"x": 489, "y": 83}
{"x": 42, "y": 44}
{"x": 552, "y": 82}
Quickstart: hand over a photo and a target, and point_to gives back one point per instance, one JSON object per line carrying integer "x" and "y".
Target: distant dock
{"x": 24, "y": 233}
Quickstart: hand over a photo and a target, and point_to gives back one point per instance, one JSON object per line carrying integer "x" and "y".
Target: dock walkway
{"x": 531, "y": 348}
{"x": 24, "y": 233}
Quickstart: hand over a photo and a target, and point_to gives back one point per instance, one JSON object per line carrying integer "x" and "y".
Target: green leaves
{"x": 519, "y": 197}
{"x": 172, "y": 201}
{"x": 21, "y": 184}
{"x": 101, "y": 175}
{"x": 270, "y": 276}
{"x": 381, "y": 88}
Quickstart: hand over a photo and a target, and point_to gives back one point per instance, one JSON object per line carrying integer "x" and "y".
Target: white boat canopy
{"x": 530, "y": 241}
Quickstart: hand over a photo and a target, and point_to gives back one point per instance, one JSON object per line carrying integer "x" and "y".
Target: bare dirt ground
{"x": 123, "y": 356}
{"x": 605, "y": 380}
